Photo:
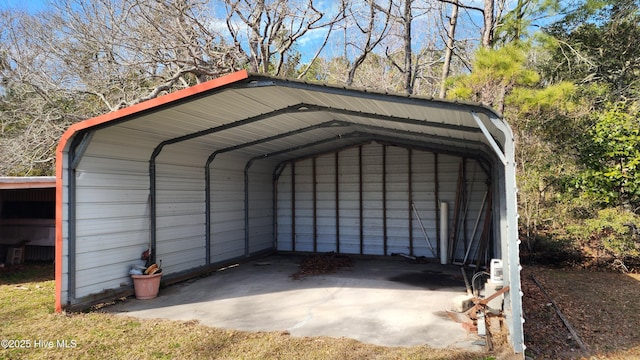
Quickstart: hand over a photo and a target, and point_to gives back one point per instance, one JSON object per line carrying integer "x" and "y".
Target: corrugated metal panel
{"x": 372, "y": 199}
{"x": 227, "y": 207}
{"x": 474, "y": 213}
{"x": 397, "y": 178}
{"x": 260, "y": 206}
{"x": 304, "y": 206}
{"x": 423, "y": 184}
{"x": 112, "y": 224}
{"x": 397, "y": 201}
{"x": 284, "y": 211}
{"x": 180, "y": 185}
{"x": 348, "y": 168}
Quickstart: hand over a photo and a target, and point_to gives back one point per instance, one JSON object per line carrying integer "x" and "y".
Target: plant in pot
{"x": 146, "y": 279}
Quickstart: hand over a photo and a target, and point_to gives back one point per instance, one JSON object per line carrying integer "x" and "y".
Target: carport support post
{"x": 436, "y": 192}
{"x": 315, "y": 204}
{"x": 337, "y": 203}
{"x": 410, "y": 191}
{"x": 384, "y": 197}
{"x": 246, "y": 207}
{"x": 360, "y": 199}
{"x": 293, "y": 206}
{"x": 509, "y": 240}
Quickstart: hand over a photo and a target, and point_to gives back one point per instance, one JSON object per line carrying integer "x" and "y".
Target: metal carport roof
{"x": 266, "y": 118}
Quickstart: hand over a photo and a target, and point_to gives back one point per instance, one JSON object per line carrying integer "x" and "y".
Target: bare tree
{"x": 451, "y": 37}
{"x": 134, "y": 50}
{"x": 269, "y": 29}
{"x": 81, "y": 58}
{"x": 413, "y": 56}
{"x": 373, "y": 31}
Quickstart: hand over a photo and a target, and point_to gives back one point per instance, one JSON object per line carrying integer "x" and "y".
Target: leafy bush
{"x": 613, "y": 230}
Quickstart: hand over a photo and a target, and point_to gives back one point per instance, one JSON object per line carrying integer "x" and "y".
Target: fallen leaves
{"x": 322, "y": 264}
{"x": 601, "y": 306}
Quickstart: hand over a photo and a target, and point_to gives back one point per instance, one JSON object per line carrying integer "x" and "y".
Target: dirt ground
{"x": 602, "y": 307}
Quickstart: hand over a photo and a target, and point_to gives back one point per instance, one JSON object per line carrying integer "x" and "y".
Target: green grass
{"x": 27, "y": 314}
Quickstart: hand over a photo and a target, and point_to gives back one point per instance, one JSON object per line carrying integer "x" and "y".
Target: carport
{"x": 248, "y": 164}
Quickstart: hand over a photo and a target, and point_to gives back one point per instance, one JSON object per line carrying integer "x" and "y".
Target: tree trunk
{"x": 408, "y": 66}
{"x": 451, "y": 35}
{"x": 487, "y": 30}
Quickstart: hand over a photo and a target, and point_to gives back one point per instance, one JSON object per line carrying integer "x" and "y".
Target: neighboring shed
{"x": 247, "y": 164}
{"x": 27, "y": 217}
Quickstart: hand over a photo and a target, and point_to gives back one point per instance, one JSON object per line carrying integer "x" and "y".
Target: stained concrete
{"x": 385, "y": 301}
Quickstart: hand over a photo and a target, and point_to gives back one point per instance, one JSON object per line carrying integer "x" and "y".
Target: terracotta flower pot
{"x": 146, "y": 286}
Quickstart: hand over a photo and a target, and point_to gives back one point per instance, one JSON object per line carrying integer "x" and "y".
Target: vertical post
{"x": 207, "y": 213}
{"x": 360, "y": 199}
{"x": 410, "y": 200}
{"x": 337, "y": 180}
{"x": 246, "y": 208}
{"x": 274, "y": 210}
{"x": 293, "y": 206}
{"x": 465, "y": 199}
{"x": 384, "y": 197}
{"x": 315, "y": 205}
{"x": 444, "y": 218}
{"x": 436, "y": 192}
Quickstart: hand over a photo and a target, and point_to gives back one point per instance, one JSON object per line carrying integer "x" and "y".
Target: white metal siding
{"x": 227, "y": 207}
{"x": 112, "y": 210}
{"x": 284, "y": 218}
{"x": 403, "y": 231}
{"x": 180, "y": 208}
{"x": 349, "y": 206}
{"x": 303, "y": 211}
{"x": 423, "y": 184}
{"x": 260, "y": 206}
{"x": 373, "y": 240}
{"x": 397, "y": 200}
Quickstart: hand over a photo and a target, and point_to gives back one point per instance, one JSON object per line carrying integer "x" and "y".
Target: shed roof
{"x": 261, "y": 116}
{"x": 27, "y": 182}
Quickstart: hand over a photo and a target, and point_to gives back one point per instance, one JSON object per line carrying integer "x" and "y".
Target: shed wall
{"x": 112, "y": 210}
{"x": 367, "y": 208}
{"x": 227, "y": 207}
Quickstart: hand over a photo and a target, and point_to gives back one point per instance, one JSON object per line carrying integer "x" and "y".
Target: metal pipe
{"x": 444, "y": 214}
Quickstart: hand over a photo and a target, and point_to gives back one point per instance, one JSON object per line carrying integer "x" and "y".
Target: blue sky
{"x": 28, "y": 5}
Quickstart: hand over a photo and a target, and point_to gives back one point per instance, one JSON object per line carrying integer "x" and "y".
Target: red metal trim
{"x": 103, "y": 119}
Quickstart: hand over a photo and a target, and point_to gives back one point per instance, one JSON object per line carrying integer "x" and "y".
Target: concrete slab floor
{"x": 384, "y": 301}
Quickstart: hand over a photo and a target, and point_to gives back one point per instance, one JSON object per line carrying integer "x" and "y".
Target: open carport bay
{"x": 385, "y": 301}
{"x": 246, "y": 165}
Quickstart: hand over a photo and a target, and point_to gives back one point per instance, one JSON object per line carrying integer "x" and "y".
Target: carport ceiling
{"x": 260, "y": 116}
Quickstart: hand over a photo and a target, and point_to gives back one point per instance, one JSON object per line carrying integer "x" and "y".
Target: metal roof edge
{"x": 70, "y": 133}
{"x": 27, "y": 182}
{"x": 448, "y": 102}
